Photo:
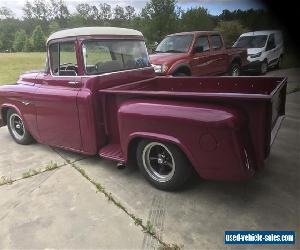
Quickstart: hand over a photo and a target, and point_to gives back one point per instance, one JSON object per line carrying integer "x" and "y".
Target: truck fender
{"x": 173, "y": 69}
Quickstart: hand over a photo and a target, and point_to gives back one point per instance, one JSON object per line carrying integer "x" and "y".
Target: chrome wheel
{"x": 17, "y": 126}
{"x": 158, "y": 161}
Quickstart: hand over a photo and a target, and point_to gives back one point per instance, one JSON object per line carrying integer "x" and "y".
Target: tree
{"x": 160, "y": 18}
{"x": 38, "y": 39}
{"x": 53, "y": 27}
{"x": 105, "y": 12}
{"x": 129, "y": 13}
{"x": 5, "y": 13}
{"x": 59, "y": 11}
{"x": 196, "y": 19}
{"x": 230, "y": 30}
{"x": 20, "y": 38}
{"x": 119, "y": 13}
{"x": 28, "y": 47}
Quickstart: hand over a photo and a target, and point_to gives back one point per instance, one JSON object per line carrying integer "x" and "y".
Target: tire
{"x": 17, "y": 129}
{"x": 169, "y": 169}
{"x": 263, "y": 68}
{"x": 235, "y": 70}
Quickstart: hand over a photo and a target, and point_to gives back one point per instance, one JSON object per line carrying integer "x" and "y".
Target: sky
{"x": 214, "y": 7}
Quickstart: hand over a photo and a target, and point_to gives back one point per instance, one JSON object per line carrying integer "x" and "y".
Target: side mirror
{"x": 198, "y": 49}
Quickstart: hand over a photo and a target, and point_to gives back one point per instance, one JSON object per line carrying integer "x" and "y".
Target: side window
{"x": 63, "y": 60}
{"x": 202, "y": 44}
{"x": 216, "y": 42}
{"x": 271, "y": 42}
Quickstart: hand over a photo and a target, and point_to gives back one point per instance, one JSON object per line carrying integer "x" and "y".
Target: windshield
{"x": 176, "y": 44}
{"x": 103, "y": 56}
{"x": 251, "y": 41}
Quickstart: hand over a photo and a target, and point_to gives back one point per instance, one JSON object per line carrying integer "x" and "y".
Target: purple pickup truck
{"x": 99, "y": 95}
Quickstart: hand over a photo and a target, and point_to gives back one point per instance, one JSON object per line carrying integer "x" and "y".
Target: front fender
{"x": 210, "y": 135}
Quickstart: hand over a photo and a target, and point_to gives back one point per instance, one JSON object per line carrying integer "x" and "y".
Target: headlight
{"x": 159, "y": 68}
{"x": 256, "y": 55}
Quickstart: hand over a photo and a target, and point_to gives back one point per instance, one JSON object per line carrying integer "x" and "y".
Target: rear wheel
{"x": 17, "y": 129}
{"x": 235, "y": 70}
{"x": 163, "y": 164}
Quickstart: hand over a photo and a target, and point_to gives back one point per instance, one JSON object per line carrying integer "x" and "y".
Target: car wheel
{"x": 163, "y": 164}
{"x": 17, "y": 129}
{"x": 235, "y": 70}
{"x": 263, "y": 68}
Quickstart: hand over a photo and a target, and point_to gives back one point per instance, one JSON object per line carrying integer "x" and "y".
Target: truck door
{"x": 201, "y": 57}
{"x": 271, "y": 50}
{"x": 57, "y": 114}
{"x": 219, "y": 57}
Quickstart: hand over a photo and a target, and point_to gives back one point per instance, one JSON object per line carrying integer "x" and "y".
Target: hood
{"x": 166, "y": 58}
{"x": 252, "y": 51}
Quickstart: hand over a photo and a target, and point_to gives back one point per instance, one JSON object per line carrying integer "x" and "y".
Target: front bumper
{"x": 254, "y": 65}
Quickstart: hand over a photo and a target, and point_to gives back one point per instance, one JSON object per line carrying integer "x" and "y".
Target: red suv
{"x": 197, "y": 53}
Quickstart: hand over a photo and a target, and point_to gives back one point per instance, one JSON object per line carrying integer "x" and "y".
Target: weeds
{"x": 148, "y": 228}
{"x": 5, "y": 180}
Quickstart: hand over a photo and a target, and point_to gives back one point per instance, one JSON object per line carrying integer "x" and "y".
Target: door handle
{"x": 73, "y": 83}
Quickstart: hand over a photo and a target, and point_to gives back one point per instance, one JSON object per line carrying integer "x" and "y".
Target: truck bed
{"x": 210, "y": 87}
{"x": 261, "y": 99}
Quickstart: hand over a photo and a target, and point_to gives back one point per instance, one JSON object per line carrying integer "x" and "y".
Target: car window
{"x": 175, "y": 44}
{"x": 216, "y": 42}
{"x": 104, "y": 56}
{"x": 202, "y": 42}
{"x": 271, "y": 42}
{"x": 258, "y": 41}
{"x": 63, "y": 60}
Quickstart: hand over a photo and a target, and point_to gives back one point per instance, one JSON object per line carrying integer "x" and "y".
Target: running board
{"x": 112, "y": 152}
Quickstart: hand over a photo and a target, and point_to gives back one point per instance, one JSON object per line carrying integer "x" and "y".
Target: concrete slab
{"x": 16, "y": 159}
{"x": 198, "y": 216}
{"x": 62, "y": 210}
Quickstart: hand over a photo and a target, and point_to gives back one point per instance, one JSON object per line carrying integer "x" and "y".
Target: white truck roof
{"x": 88, "y": 31}
{"x": 261, "y": 32}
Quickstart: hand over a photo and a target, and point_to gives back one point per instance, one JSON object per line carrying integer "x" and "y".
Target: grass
{"x": 14, "y": 64}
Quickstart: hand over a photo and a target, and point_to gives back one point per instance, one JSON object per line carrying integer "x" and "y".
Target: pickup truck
{"x": 99, "y": 95}
{"x": 197, "y": 53}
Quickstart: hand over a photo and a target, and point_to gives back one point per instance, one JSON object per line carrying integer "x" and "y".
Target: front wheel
{"x": 235, "y": 70}
{"x": 163, "y": 164}
{"x": 17, "y": 129}
{"x": 263, "y": 68}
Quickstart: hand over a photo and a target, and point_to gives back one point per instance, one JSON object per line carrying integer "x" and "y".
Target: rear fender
{"x": 208, "y": 134}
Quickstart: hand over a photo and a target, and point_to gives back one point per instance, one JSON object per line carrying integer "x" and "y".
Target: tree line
{"x": 157, "y": 19}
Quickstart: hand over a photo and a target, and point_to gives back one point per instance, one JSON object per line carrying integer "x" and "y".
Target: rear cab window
{"x": 105, "y": 56}
{"x": 216, "y": 42}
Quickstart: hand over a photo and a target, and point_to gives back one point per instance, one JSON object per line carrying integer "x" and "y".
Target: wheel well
{"x": 236, "y": 61}
{"x": 133, "y": 144}
{"x": 182, "y": 69}
{"x": 131, "y": 153}
{"x": 4, "y": 114}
